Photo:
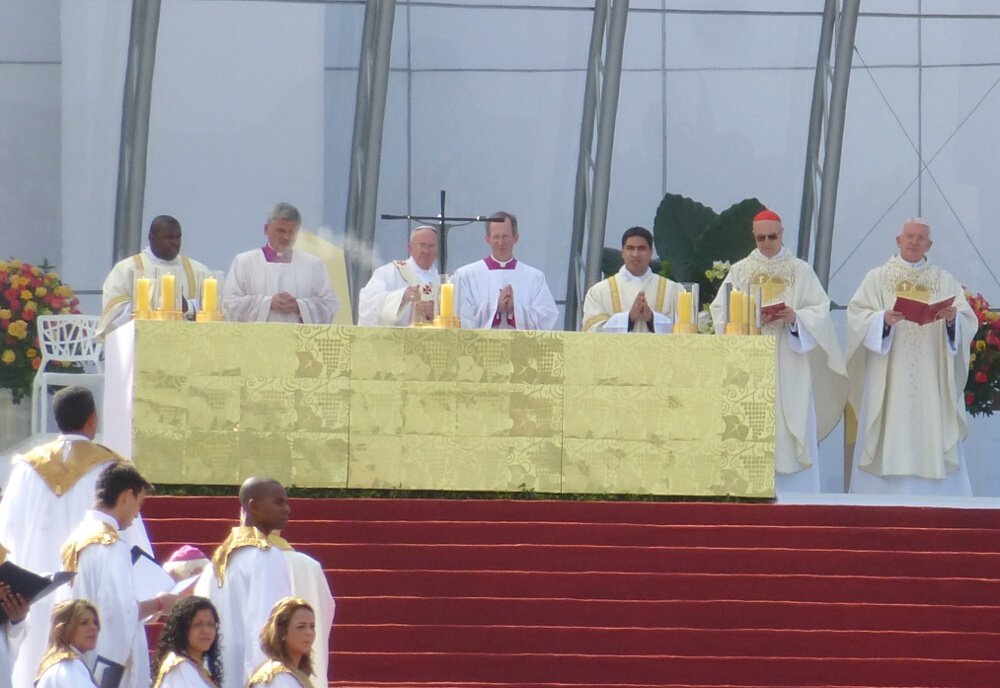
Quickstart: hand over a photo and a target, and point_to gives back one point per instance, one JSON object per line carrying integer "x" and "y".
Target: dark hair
{"x": 116, "y": 479}
{"x": 639, "y": 232}
{"x": 163, "y": 221}
{"x": 498, "y": 217}
{"x": 174, "y": 636}
{"x": 73, "y": 407}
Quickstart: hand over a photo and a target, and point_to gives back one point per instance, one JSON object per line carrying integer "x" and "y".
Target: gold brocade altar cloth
{"x": 433, "y": 409}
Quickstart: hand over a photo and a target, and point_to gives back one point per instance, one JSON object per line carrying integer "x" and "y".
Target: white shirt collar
{"x": 152, "y": 258}
{"x": 501, "y": 263}
{"x": 629, "y": 277}
{"x": 429, "y": 274}
{"x": 918, "y": 264}
{"x": 96, "y": 515}
{"x": 782, "y": 253}
{"x": 73, "y": 437}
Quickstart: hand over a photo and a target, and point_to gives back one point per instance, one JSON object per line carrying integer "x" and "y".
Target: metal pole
{"x": 360, "y": 132}
{"x": 816, "y": 128}
{"x": 583, "y": 165}
{"x": 605, "y": 139}
{"x": 132, "y": 147}
{"x": 835, "y": 138}
{"x": 373, "y": 146}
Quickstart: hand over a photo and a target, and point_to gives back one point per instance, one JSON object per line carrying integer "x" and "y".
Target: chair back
{"x": 70, "y": 339}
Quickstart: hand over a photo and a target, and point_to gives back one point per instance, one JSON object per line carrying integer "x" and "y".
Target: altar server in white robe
{"x": 403, "y": 292}
{"x": 811, "y": 386}
{"x": 500, "y": 292}
{"x": 163, "y": 252}
{"x": 276, "y": 283}
{"x": 309, "y": 582}
{"x": 248, "y": 576}
{"x": 635, "y": 299}
{"x": 907, "y": 380}
{"x": 102, "y": 561}
{"x": 50, "y": 489}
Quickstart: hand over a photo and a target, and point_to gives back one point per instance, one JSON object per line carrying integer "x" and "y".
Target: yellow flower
{"x": 41, "y": 291}
{"x": 14, "y": 264}
{"x": 3, "y": 266}
{"x": 980, "y": 345}
{"x": 25, "y": 295}
{"x": 31, "y": 353}
{"x": 972, "y": 358}
{"x": 5, "y": 314}
{"x": 8, "y": 356}
{"x": 18, "y": 329}
{"x": 31, "y": 306}
{"x": 36, "y": 271}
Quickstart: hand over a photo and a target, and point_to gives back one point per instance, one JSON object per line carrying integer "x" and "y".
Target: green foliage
{"x": 692, "y": 236}
{"x": 678, "y": 224}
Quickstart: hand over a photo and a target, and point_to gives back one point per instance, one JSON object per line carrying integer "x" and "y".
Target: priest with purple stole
{"x": 276, "y": 283}
{"x": 501, "y": 293}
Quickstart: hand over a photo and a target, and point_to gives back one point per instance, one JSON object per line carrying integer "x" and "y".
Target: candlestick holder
{"x": 208, "y": 316}
{"x": 166, "y": 315}
{"x": 734, "y": 328}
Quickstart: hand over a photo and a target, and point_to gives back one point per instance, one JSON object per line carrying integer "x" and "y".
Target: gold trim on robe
{"x": 52, "y": 658}
{"x": 3, "y": 554}
{"x": 89, "y": 533}
{"x": 241, "y": 536}
{"x": 174, "y": 660}
{"x": 60, "y": 476}
{"x": 616, "y": 297}
{"x": 266, "y": 672}
{"x": 280, "y": 543}
{"x": 661, "y": 292}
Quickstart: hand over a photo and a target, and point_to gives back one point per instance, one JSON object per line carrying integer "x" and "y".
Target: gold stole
{"x": 616, "y": 297}
{"x": 266, "y": 672}
{"x": 87, "y": 534}
{"x": 241, "y": 536}
{"x": 61, "y": 476}
{"x": 276, "y": 540}
{"x": 53, "y": 657}
{"x": 174, "y": 660}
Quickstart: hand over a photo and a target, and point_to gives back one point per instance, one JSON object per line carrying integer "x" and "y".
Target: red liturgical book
{"x": 918, "y": 311}
{"x": 772, "y": 309}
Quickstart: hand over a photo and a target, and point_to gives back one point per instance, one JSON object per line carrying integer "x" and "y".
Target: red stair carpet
{"x": 491, "y": 593}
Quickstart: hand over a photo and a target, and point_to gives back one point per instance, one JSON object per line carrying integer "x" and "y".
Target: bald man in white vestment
{"x": 500, "y": 292}
{"x": 907, "y": 380}
{"x": 403, "y": 292}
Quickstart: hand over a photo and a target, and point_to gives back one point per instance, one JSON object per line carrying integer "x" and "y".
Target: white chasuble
{"x": 120, "y": 283}
{"x": 607, "y": 304}
{"x": 811, "y": 385}
{"x": 380, "y": 302}
{"x": 252, "y": 281}
{"x": 907, "y": 388}
{"x": 247, "y": 577}
{"x": 479, "y": 290}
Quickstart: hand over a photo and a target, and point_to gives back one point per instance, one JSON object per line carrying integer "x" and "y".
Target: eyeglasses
{"x": 761, "y": 238}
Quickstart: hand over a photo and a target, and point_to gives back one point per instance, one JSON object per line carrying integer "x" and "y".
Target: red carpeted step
{"x": 530, "y": 557}
{"x": 744, "y": 671}
{"x": 717, "y": 614}
{"x": 704, "y": 513}
{"x": 655, "y": 586}
{"x": 543, "y": 532}
{"x": 692, "y": 642}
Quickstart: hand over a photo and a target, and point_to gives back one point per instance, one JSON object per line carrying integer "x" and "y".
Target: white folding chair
{"x": 66, "y": 339}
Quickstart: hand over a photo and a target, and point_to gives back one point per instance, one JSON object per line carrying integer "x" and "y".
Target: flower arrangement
{"x": 27, "y": 291}
{"x": 983, "y": 386}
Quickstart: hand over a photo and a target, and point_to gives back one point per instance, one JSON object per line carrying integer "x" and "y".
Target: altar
{"x": 436, "y": 409}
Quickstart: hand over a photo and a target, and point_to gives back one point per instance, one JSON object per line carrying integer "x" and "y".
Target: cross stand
{"x": 441, "y": 222}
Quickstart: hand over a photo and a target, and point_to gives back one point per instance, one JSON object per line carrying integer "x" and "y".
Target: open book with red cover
{"x": 918, "y": 311}
{"x": 772, "y": 309}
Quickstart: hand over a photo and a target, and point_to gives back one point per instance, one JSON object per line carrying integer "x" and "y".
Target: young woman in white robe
{"x": 287, "y": 639}
{"x": 188, "y": 654}
{"x": 75, "y": 628}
